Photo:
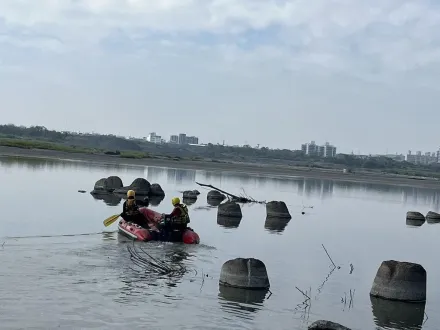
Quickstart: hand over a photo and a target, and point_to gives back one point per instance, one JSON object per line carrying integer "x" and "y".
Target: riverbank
{"x": 254, "y": 169}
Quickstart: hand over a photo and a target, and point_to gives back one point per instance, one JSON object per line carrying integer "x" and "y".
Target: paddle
{"x": 111, "y": 219}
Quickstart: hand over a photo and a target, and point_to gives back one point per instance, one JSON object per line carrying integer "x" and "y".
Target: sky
{"x": 362, "y": 75}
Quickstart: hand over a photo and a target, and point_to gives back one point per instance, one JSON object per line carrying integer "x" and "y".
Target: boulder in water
{"x": 402, "y": 281}
{"x": 190, "y": 194}
{"x": 156, "y": 190}
{"x": 432, "y": 217}
{"x": 277, "y": 209}
{"x": 139, "y": 185}
{"x": 215, "y": 195}
{"x": 107, "y": 185}
{"x": 244, "y": 273}
{"x": 326, "y": 325}
{"x": 230, "y": 210}
{"x": 413, "y": 215}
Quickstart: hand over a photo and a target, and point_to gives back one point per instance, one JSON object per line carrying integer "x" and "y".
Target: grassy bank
{"x": 35, "y": 144}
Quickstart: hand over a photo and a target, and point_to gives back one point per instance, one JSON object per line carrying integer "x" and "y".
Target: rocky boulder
{"x": 215, "y": 195}
{"x": 139, "y": 185}
{"x": 326, "y": 325}
{"x": 432, "y": 217}
{"x": 277, "y": 209}
{"x": 402, "y": 281}
{"x": 107, "y": 185}
{"x": 191, "y": 194}
{"x": 244, "y": 273}
{"x": 230, "y": 210}
{"x": 156, "y": 190}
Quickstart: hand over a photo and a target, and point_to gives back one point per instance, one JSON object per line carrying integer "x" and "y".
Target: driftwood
{"x": 231, "y": 197}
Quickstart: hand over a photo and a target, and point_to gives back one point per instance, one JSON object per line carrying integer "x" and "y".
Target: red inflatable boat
{"x": 137, "y": 232}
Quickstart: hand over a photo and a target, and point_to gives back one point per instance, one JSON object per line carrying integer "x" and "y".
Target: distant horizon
{"x": 220, "y": 142}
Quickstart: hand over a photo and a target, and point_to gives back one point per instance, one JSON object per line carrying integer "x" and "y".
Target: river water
{"x": 61, "y": 268}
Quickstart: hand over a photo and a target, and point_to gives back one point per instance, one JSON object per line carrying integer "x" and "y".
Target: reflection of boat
{"x": 397, "y": 314}
{"x": 136, "y": 232}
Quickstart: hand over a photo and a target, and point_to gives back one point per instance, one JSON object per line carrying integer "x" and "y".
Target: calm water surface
{"x": 62, "y": 269}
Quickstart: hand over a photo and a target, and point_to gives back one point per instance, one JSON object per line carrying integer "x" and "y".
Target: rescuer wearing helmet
{"x": 130, "y": 210}
{"x": 178, "y": 219}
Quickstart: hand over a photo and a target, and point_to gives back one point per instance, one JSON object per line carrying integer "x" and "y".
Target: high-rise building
{"x": 153, "y": 138}
{"x": 312, "y": 149}
{"x": 182, "y": 138}
{"x": 174, "y": 139}
{"x": 192, "y": 140}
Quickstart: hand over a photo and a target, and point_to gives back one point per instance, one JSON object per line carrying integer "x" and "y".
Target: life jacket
{"x": 184, "y": 216}
{"x": 131, "y": 209}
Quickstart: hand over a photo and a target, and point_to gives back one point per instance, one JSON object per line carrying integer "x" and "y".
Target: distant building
{"x": 312, "y": 149}
{"x": 174, "y": 139}
{"x": 182, "y": 138}
{"x": 419, "y": 159}
{"x": 153, "y": 138}
{"x": 396, "y": 157}
{"x": 192, "y": 140}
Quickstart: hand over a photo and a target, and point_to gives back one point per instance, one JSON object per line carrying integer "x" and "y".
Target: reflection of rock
{"x": 156, "y": 190}
{"x": 432, "y": 217}
{"x": 326, "y": 325}
{"x": 277, "y": 209}
{"x": 189, "y": 201}
{"x": 246, "y": 273}
{"x": 242, "y": 296}
{"x": 397, "y": 314}
{"x": 109, "y": 199}
{"x": 156, "y": 200}
{"x": 107, "y": 185}
{"x": 404, "y": 281}
{"x": 230, "y": 210}
{"x": 215, "y": 195}
{"x": 228, "y": 222}
{"x": 414, "y": 218}
{"x": 276, "y": 224}
{"x": 139, "y": 185}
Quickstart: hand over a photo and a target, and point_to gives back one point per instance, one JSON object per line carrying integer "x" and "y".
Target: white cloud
{"x": 185, "y": 46}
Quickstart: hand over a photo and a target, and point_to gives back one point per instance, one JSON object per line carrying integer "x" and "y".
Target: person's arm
{"x": 124, "y": 209}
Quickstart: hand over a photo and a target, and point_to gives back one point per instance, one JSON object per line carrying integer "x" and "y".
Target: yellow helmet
{"x": 130, "y": 193}
{"x": 175, "y": 200}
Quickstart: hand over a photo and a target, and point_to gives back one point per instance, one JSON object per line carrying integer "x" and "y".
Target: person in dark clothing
{"x": 178, "y": 219}
{"x": 130, "y": 211}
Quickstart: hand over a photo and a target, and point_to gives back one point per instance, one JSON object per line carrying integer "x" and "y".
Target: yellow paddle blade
{"x": 110, "y": 220}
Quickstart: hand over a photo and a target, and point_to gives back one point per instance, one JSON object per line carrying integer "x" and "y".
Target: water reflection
{"x": 276, "y": 225}
{"x": 240, "y": 302}
{"x": 156, "y": 200}
{"x": 109, "y": 199}
{"x": 179, "y": 176}
{"x": 228, "y": 222}
{"x": 414, "y": 223}
{"x": 189, "y": 201}
{"x": 397, "y": 315}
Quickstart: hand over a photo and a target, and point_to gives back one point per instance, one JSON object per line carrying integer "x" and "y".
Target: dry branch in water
{"x": 233, "y": 198}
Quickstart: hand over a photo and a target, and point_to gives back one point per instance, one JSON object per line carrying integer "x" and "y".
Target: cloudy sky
{"x": 361, "y": 74}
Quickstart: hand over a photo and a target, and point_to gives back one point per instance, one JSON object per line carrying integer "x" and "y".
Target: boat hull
{"x": 136, "y": 232}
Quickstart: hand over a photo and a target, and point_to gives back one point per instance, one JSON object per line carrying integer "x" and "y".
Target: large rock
{"x": 403, "y": 281}
{"x": 215, "y": 195}
{"x": 156, "y": 200}
{"x": 189, "y": 201}
{"x": 390, "y": 314}
{"x": 113, "y": 182}
{"x": 139, "y": 185}
{"x": 244, "y": 273}
{"x": 228, "y": 222}
{"x": 230, "y": 210}
{"x": 432, "y": 217}
{"x": 107, "y": 185}
{"x": 414, "y": 219}
{"x": 277, "y": 209}
{"x": 156, "y": 190}
{"x": 191, "y": 194}
{"x": 326, "y": 325}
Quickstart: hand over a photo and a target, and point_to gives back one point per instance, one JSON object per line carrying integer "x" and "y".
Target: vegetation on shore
{"x": 38, "y": 137}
